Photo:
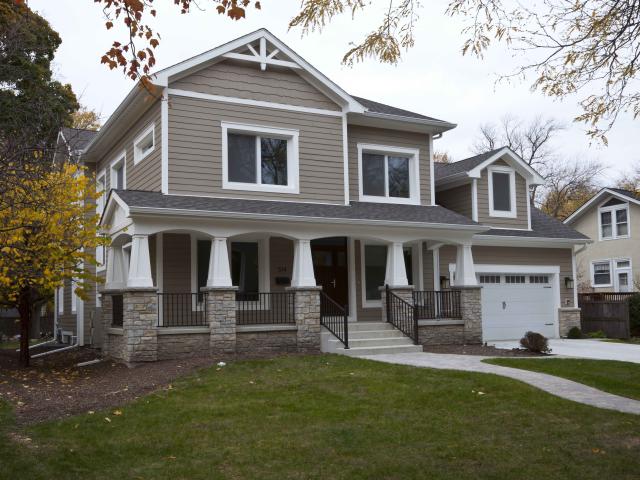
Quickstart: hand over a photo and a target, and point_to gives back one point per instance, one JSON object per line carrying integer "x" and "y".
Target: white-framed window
{"x": 601, "y": 273}
{"x": 502, "y": 191}
{"x": 101, "y": 183}
{"x": 374, "y": 268}
{"x": 119, "y": 172}
{"x": 144, "y": 144}
{"x": 74, "y": 297}
{"x": 388, "y": 174}
{"x": 61, "y": 300}
{"x": 489, "y": 278}
{"x": 259, "y": 158}
{"x": 613, "y": 220}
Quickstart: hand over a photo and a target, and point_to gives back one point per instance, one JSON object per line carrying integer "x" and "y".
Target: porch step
{"x": 370, "y": 338}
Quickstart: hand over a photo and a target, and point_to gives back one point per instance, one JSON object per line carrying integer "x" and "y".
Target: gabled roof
{"x": 624, "y": 195}
{"x": 542, "y": 226}
{"x": 472, "y": 167}
{"x": 77, "y": 139}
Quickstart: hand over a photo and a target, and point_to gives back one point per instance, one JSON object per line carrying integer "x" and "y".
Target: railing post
{"x": 386, "y": 303}
{"x": 346, "y": 328}
{"x": 415, "y": 326}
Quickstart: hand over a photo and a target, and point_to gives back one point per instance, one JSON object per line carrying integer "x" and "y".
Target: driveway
{"x": 594, "y": 349}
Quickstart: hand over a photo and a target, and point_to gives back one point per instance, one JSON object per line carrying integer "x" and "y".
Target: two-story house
{"x": 612, "y": 262}
{"x": 254, "y": 199}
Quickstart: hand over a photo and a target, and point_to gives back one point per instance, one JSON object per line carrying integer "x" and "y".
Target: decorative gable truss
{"x": 260, "y": 54}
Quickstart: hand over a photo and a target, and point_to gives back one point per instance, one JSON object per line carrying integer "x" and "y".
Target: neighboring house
{"x": 255, "y": 178}
{"x": 612, "y": 262}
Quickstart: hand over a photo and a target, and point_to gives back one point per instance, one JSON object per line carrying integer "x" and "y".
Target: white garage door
{"x": 513, "y": 304}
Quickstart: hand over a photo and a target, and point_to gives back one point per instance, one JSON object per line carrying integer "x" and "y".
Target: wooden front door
{"x": 331, "y": 267}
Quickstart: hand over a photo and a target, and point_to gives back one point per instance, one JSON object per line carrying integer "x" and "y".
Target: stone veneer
{"x": 140, "y": 308}
{"x": 441, "y": 332}
{"x": 471, "y": 307}
{"x": 568, "y": 318}
{"x": 182, "y": 343}
{"x": 259, "y": 342}
{"x": 221, "y": 316}
{"x": 307, "y": 318}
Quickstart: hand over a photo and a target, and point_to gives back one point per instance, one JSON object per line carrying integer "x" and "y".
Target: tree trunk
{"x": 24, "y": 308}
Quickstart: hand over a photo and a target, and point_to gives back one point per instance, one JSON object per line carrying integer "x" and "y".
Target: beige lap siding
{"x": 389, "y": 138}
{"x": 457, "y": 199}
{"x": 522, "y": 197}
{"x": 146, "y": 175}
{"x": 195, "y": 149}
{"x": 517, "y": 256}
{"x": 230, "y": 79}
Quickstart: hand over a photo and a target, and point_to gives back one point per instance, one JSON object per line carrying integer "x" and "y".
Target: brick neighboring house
{"x": 257, "y": 200}
{"x": 612, "y": 262}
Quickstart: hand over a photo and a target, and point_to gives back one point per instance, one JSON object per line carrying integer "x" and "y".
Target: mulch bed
{"x": 483, "y": 350}
{"x": 54, "y": 387}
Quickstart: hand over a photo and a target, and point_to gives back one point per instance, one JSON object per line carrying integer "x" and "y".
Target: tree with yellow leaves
{"x": 47, "y": 236}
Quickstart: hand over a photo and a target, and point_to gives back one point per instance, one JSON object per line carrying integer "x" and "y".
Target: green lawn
{"x": 621, "y": 378}
{"x": 330, "y": 417}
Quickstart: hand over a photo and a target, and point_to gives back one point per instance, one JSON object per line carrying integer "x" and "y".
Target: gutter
{"x": 303, "y": 219}
{"x": 402, "y": 118}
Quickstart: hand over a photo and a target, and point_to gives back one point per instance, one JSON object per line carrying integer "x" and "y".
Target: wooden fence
{"x": 608, "y": 313}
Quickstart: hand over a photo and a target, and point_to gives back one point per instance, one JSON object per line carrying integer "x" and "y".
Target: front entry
{"x": 330, "y": 266}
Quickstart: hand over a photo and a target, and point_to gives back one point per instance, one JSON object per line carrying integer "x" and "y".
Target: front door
{"x": 331, "y": 267}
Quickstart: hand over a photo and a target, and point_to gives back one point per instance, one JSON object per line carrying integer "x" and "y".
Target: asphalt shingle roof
{"x": 378, "y": 107}
{"x": 354, "y": 211}
{"x": 542, "y": 226}
{"x": 78, "y": 138}
{"x": 442, "y": 170}
{"x": 626, "y": 193}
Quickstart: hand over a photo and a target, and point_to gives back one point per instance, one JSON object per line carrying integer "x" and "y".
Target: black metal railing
{"x": 261, "y": 308}
{"x": 117, "y": 310}
{"x": 182, "y": 310}
{"x": 430, "y": 304}
{"x": 334, "y": 318}
{"x": 401, "y": 315}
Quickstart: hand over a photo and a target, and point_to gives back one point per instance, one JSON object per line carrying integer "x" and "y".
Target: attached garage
{"x": 517, "y": 300}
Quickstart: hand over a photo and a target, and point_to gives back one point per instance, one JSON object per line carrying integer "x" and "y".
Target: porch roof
{"x": 140, "y": 201}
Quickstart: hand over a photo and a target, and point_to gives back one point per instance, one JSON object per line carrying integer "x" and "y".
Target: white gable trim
{"x": 163, "y": 77}
{"x": 595, "y": 199}
{"x": 114, "y": 202}
{"x": 516, "y": 162}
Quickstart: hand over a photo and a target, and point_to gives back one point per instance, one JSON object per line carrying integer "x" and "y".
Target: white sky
{"x": 433, "y": 78}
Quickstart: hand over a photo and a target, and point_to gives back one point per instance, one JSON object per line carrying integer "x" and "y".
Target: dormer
{"x": 492, "y": 188}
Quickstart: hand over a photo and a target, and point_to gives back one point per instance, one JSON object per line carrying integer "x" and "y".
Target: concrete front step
{"x": 375, "y": 334}
{"x": 370, "y": 338}
{"x": 359, "y": 351}
{"x": 375, "y": 342}
{"x": 370, "y": 326}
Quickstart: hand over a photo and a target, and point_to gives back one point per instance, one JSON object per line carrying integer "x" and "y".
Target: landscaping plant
{"x": 535, "y": 342}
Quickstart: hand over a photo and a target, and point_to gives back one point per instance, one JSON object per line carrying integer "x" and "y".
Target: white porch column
{"x": 140, "y": 263}
{"x": 303, "y": 275}
{"x": 396, "y": 273}
{"x": 219, "y": 271}
{"x": 465, "y": 270}
{"x": 116, "y": 271}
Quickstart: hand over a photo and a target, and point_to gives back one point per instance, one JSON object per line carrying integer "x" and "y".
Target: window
{"x": 118, "y": 172}
{"x": 408, "y": 264}
{"x": 538, "y": 279}
{"x": 601, "y": 273}
{"x": 614, "y": 220}
{"x": 100, "y": 188}
{"x": 514, "y": 278}
{"x": 61, "y": 300}
{"x": 245, "y": 269}
{"x": 502, "y": 192}
{"x": 375, "y": 268}
{"x": 260, "y": 158}
{"x": 388, "y": 174}
{"x": 144, "y": 144}
{"x": 489, "y": 278}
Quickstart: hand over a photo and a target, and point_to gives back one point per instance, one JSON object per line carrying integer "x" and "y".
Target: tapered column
{"x": 303, "y": 275}
{"x": 465, "y": 270}
{"x": 116, "y": 269}
{"x": 396, "y": 273}
{"x": 219, "y": 271}
{"x": 140, "y": 263}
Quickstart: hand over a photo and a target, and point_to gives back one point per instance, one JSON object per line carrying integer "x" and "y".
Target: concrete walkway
{"x": 594, "y": 349}
{"x": 554, "y": 385}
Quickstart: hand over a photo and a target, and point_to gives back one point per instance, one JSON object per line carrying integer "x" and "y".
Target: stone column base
{"x": 567, "y": 319}
{"x": 307, "y": 316}
{"x": 221, "y": 316}
{"x": 471, "y": 307}
{"x": 139, "y": 325}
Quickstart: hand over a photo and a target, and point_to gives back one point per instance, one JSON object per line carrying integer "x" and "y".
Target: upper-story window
{"x": 119, "y": 172}
{"x": 144, "y": 144}
{"x": 502, "y": 192}
{"x": 259, "y": 158}
{"x": 101, "y": 181}
{"x": 388, "y": 174}
{"x": 613, "y": 218}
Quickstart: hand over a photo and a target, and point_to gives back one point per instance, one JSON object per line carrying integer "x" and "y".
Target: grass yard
{"x": 621, "y": 378}
{"x": 330, "y": 417}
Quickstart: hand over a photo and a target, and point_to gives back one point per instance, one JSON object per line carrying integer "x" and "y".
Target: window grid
{"x": 538, "y": 279}
{"x": 489, "y": 278}
{"x": 515, "y": 279}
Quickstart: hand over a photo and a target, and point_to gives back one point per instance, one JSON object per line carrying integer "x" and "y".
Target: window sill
{"x": 137, "y": 159}
{"x": 498, "y": 214}
{"x": 253, "y": 187}
{"x": 401, "y": 201}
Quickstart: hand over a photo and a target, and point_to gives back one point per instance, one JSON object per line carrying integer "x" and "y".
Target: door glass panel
{"x": 373, "y": 174}
{"x": 322, "y": 258}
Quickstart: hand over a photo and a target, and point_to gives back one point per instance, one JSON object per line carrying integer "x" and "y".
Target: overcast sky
{"x": 433, "y": 78}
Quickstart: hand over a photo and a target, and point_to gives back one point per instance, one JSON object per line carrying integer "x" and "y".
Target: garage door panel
{"x": 526, "y": 307}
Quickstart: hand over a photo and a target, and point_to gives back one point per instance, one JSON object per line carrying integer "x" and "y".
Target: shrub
{"x": 535, "y": 342}
{"x": 574, "y": 333}
{"x": 634, "y": 315}
{"x": 597, "y": 334}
